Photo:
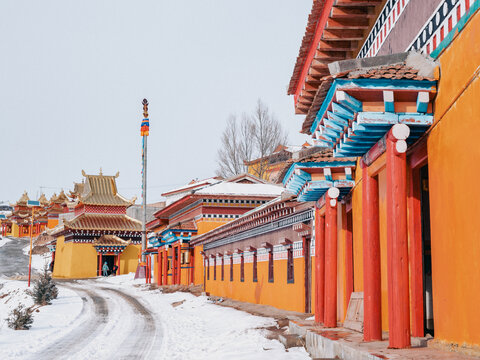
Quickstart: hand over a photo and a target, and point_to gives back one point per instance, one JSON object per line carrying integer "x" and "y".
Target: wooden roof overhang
{"x": 311, "y": 180}
{"x": 110, "y": 244}
{"x": 333, "y": 31}
{"x": 265, "y": 215}
{"x": 357, "y": 113}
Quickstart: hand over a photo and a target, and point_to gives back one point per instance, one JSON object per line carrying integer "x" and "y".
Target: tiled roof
{"x": 185, "y": 225}
{"x": 110, "y": 240}
{"x": 102, "y": 190}
{"x": 393, "y": 72}
{"x": 326, "y": 155}
{"x": 103, "y": 222}
{"x": 317, "y": 8}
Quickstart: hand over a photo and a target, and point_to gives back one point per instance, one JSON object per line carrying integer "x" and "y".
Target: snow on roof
{"x": 192, "y": 185}
{"x": 227, "y": 188}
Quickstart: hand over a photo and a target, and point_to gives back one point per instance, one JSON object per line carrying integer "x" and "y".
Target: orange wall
{"x": 279, "y": 294}
{"x": 454, "y": 193}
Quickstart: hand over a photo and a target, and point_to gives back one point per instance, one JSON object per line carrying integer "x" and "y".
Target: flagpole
{"x": 144, "y": 132}
{"x": 30, "y": 254}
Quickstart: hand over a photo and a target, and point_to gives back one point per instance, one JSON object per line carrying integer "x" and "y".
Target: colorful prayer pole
{"x": 144, "y": 132}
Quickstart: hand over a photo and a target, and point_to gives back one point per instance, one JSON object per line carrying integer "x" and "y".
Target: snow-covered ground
{"x": 50, "y": 322}
{"x": 196, "y": 329}
{"x": 38, "y": 261}
{"x": 4, "y": 240}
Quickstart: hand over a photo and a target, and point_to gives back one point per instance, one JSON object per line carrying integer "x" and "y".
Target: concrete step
{"x": 291, "y": 340}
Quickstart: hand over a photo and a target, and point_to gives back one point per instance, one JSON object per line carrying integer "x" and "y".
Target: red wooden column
{"x": 330, "y": 317}
{"x": 372, "y": 301}
{"x": 100, "y": 264}
{"x": 192, "y": 266}
{"x": 397, "y": 241}
{"x": 416, "y": 262}
{"x": 165, "y": 266}
{"x": 118, "y": 264}
{"x": 319, "y": 266}
{"x": 160, "y": 263}
{"x": 348, "y": 226}
{"x": 179, "y": 264}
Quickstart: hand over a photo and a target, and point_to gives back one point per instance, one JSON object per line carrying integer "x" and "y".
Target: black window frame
{"x": 271, "y": 275}
{"x": 223, "y": 268}
{"x": 290, "y": 266}
{"x": 255, "y": 268}
{"x": 242, "y": 268}
{"x": 215, "y": 268}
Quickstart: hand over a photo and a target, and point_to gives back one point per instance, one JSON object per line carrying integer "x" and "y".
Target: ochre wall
{"x": 129, "y": 259}
{"x": 279, "y": 294}
{"x": 74, "y": 260}
{"x": 51, "y": 223}
{"x": 357, "y": 232}
{"x": 453, "y": 153}
{"x": 198, "y": 264}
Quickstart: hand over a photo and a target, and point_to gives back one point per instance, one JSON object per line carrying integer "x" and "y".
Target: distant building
{"x": 100, "y": 231}
{"x": 198, "y": 208}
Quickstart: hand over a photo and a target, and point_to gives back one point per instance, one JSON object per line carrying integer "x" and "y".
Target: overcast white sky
{"x": 73, "y": 75}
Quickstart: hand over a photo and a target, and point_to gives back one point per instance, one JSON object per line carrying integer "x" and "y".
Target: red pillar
{"x": 160, "y": 267}
{"x": 100, "y": 264}
{"x": 165, "y": 266}
{"x": 372, "y": 301}
{"x": 179, "y": 264}
{"x": 416, "y": 262}
{"x": 118, "y": 264}
{"x": 319, "y": 266}
{"x": 348, "y": 256}
{"x": 397, "y": 242}
{"x": 330, "y": 317}
{"x": 192, "y": 266}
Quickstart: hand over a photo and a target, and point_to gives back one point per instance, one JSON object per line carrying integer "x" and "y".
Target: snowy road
{"x": 12, "y": 259}
{"x": 122, "y": 318}
{"x": 105, "y": 327}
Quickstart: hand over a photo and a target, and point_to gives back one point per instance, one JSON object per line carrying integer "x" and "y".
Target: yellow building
{"x": 100, "y": 232}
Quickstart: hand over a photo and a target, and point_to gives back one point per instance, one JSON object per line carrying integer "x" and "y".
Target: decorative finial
{"x": 83, "y": 173}
{"x": 101, "y": 173}
{"x": 117, "y": 174}
{"x": 145, "y": 127}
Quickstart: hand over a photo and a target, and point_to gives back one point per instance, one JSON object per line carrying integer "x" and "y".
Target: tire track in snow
{"x": 143, "y": 336}
{"x": 82, "y": 335}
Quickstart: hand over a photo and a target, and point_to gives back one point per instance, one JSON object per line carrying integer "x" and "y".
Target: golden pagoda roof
{"x": 102, "y": 190}
{"x": 42, "y": 199}
{"x": 103, "y": 222}
{"x": 60, "y": 198}
{"x": 23, "y": 199}
{"x": 110, "y": 240}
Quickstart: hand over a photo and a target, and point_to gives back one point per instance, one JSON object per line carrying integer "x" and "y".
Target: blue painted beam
{"x": 349, "y": 101}
{"x": 388, "y": 101}
{"x": 423, "y": 99}
{"x": 415, "y": 119}
{"x": 342, "y": 111}
{"x": 337, "y": 119}
{"x": 377, "y": 118}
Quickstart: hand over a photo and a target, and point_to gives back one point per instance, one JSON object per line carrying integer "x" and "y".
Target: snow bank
{"x": 51, "y": 322}
{"x": 38, "y": 261}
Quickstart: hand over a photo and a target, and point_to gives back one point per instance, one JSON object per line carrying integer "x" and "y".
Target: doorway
{"x": 110, "y": 259}
{"x": 426, "y": 252}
